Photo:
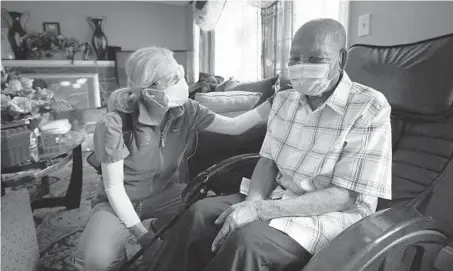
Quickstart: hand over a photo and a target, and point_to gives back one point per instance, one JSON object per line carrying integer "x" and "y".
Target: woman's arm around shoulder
{"x": 241, "y": 123}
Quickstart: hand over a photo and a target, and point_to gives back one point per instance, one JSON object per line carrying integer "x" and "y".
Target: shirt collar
{"x": 339, "y": 98}
{"x": 145, "y": 114}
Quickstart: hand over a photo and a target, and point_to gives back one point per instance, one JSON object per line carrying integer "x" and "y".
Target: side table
{"x": 52, "y": 157}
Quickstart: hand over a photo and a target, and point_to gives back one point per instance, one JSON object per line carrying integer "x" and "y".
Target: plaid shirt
{"x": 345, "y": 142}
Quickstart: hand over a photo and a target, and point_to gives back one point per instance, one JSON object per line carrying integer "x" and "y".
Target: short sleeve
{"x": 201, "y": 117}
{"x": 108, "y": 139}
{"x": 266, "y": 147}
{"x": 365, "y": 164}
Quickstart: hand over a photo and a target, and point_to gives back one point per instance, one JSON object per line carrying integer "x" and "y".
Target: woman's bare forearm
{"x": 241, "y": 123}
{"x": 263, "y": 179}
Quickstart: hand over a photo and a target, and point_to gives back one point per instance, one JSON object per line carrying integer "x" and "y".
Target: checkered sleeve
{"x": 266, "y": 147}
{"x": 366, "y": 160}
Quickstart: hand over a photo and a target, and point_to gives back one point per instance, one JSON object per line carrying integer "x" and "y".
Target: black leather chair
{"x": 414, "y": 230}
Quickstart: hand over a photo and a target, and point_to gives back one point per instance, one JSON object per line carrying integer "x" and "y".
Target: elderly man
{"x": 326, "y": 159}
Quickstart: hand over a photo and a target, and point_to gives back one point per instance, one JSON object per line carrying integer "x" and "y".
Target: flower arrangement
{"x": 23, "y": 98}
{"x": 43, "y": 44}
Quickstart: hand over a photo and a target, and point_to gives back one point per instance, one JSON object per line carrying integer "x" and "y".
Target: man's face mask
{"x": 173, "y": 94}
{"x": 311, "y": 79}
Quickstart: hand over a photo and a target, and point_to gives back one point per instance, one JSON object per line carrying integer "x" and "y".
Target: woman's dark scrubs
{"x": 151, "y": 156}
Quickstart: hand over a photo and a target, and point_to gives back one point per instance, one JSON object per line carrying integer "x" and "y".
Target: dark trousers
{"x": 256, "y": 246}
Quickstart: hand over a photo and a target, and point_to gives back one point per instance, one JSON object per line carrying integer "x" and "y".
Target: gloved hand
{"x": 152, "y": 252}
{"x": 146, "y": 239}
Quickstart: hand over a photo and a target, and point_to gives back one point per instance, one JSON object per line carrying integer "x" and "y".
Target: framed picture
{"x": 51, "y": 27}
{"x": 80, "y": 90}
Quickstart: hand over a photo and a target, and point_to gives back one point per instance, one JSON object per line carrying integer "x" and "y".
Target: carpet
{"x": 58, "y": 229}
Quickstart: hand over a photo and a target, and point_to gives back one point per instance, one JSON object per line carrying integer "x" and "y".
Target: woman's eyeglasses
{"x": 168, "y": 80}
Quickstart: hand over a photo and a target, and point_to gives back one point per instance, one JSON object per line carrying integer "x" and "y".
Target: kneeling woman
{"x": 139, "y": 172}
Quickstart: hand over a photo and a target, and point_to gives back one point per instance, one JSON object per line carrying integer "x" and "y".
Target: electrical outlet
{"x": 364, "y": 25}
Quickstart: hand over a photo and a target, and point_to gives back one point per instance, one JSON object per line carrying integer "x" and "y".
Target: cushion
{"x": 265, "y": 86}
{"x": 226, "y": 84}
{"x": 19, "y": 241}
{"x": 229, "y": 101}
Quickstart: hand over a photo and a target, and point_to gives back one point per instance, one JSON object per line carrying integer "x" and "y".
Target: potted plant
{"x": 42, "y": 45}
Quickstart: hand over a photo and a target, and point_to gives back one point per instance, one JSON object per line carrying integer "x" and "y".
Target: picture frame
{"x": 51, "y": 27}
{"x": 80, "y": 90}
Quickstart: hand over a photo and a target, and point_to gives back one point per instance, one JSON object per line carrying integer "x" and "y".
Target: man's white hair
{"x": 143, "y": 68}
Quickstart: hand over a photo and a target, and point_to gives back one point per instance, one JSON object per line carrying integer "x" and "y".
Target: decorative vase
{"x": 16, "y": 32}
{"x": 99, "y": 40}
{"x": 7, "y": 51}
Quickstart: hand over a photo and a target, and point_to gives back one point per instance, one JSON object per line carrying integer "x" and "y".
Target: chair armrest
{"x": 373, "y": 237}
{"x": 224, "y": 177}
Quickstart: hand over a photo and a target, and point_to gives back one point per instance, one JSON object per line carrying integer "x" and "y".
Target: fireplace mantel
{"x": 56, "y": 63}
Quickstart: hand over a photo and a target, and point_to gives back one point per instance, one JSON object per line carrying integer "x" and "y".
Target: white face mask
{"x": 310, "y": 79}
{"x": 177, "y": 94}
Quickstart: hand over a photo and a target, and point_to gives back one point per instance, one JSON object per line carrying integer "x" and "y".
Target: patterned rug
{"x": 58, "y": 230}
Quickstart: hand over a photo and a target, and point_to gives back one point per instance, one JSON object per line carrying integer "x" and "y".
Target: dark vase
{"x": 16, "y": 32}
{"x": 99, "y": 40}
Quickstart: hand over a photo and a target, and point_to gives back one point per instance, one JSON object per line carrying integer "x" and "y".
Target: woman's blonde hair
{"x": 143, "y": 68}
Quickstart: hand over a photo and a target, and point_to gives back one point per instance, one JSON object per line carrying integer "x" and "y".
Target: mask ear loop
{"x": 340, "y": 70}
{"x": 152, "y": 97}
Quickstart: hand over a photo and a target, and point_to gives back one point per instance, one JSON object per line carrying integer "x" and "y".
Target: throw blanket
{"x": 206, "y": 83}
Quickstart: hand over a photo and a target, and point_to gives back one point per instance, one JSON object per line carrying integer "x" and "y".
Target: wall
{"x": 130, "y": 25}
{"x": 398, "y": 22}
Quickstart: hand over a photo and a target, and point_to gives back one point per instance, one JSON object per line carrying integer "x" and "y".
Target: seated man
{"x": 327, "y": 149}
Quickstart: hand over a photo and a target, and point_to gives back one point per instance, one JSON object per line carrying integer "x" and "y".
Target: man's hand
{"x": 291, "y": 186}
{"x": 235, "y": 217}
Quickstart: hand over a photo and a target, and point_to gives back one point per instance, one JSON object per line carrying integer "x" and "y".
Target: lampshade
{"x": 206, "y": 18}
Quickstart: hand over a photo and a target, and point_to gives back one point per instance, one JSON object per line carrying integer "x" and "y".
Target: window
{"x": 237, "y": 42}
{"x": 306, "y": 10}
{"x": 243, "y": 51}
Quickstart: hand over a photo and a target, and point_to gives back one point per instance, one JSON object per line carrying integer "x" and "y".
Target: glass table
{"x": 54, "y": 153}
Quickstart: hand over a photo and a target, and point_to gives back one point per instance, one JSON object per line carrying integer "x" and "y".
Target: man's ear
{"x": 344, "y": 58}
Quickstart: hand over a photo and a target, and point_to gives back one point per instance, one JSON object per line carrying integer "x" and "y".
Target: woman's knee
{"x": 99, "y": 259}
{"x": 102, "y": 243}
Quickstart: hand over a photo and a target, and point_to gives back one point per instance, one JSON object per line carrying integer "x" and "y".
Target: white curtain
{"x": 277, "y": 32}
{"x": 237, "y": 39}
